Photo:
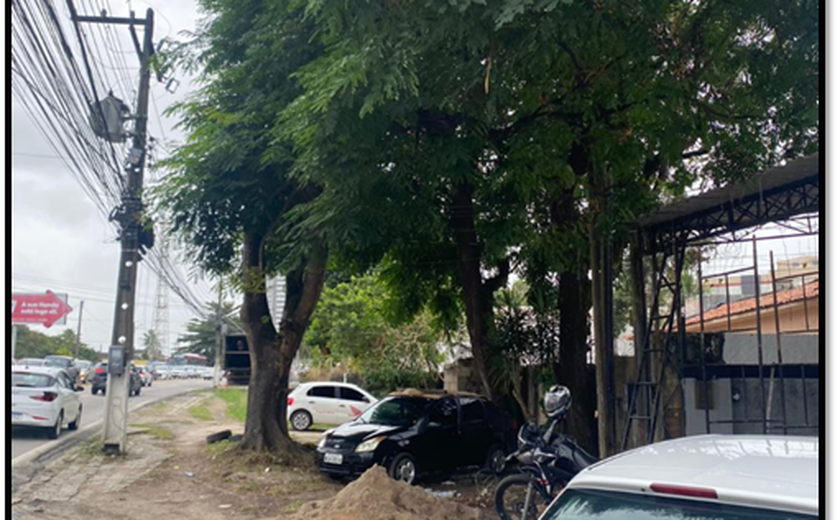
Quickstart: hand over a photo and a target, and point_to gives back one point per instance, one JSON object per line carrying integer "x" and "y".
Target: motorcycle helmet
{"x": 557, "y": 401}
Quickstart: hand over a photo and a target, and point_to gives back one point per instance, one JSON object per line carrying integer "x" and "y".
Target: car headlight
{"x": 323, "y": 441}
{"x": 370, "y": 444}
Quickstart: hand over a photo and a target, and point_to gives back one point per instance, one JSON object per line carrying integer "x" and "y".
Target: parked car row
{"x": 164, "y": 371}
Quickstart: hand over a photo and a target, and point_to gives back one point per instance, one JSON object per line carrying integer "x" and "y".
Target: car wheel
{"x": 495, "y": 460}
{"x": 77, "y": 421}
{"x": 301, "y": 420}
{"x": 55, "y": 431}
{"x": 404, "y": 468}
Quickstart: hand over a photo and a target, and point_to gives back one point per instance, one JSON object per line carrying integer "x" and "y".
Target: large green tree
{"x": 455, "y": 142}
{"x": 354, "y": 325}
{"x": 232, "y": 199}
{"x": 486, "y": 133}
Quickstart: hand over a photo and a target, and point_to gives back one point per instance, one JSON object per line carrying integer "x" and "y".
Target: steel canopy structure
{"x": 775, "y": 195}
{"x": 781, "y": 195}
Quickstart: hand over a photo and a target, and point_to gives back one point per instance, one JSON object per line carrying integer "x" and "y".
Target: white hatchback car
{"x": 326, "y": 403}
{"x": 720, "y": 477}
{"x": 45, "y": 397}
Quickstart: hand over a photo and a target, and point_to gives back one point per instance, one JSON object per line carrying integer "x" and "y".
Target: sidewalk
{"x": 171, "y": 472}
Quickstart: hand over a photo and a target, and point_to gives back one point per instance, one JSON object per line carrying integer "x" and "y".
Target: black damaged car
{"x": 413, "y": 432}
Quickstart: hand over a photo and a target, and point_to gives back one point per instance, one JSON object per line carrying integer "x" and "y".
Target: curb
{"x": 52, "y": 449}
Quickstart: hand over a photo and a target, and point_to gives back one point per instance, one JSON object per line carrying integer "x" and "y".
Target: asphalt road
{"x": 24, "y": 439}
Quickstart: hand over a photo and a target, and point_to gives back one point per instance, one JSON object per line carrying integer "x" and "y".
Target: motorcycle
{"x": 546, "y": 463}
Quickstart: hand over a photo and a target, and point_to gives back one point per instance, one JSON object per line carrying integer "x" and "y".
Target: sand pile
{"x": 375, "y": 496}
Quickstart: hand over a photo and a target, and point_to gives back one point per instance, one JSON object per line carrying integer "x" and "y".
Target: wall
{"x": 721, "y": 398}
{"x": 749, "y": 404}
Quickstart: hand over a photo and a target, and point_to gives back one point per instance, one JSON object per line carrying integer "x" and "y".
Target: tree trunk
{"x": 574, "y": 302}
{"x": 600, "y": 262}
{"x": 477, "y": 295}
{"x": 272, "y": 353}
{"x": 571, "y": 368}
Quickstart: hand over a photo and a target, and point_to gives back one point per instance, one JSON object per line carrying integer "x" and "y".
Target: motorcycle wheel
{"x": 514, "y": 491}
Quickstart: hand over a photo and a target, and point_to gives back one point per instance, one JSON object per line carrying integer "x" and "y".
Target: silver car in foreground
{"x": 720, "y": 477}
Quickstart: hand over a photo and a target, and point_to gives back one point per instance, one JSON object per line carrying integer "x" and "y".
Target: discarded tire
{"x": 218, "y": 436}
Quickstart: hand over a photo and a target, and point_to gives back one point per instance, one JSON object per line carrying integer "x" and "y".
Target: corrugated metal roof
{"x": 791, "y": 174}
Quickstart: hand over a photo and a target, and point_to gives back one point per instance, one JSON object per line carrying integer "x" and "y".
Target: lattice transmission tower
{"x": 160, "y": 318}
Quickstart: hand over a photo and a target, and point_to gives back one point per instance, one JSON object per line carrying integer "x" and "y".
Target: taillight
{"x": 685, "y": 491}
{"x": 290, "y": 400}
{"x": 99, "y": 371}
{"x": 46, "y": 397}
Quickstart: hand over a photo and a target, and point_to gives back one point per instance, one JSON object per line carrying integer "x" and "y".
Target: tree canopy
{"x": 450, "y": 144}
{"x": 33, "y": 344}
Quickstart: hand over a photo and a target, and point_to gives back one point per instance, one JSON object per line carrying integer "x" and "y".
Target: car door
{"x": 437, "y": 446}
{"x": 476, "y": 434}
{"x": 322, "y": 403}
{"x": 352, "y": 403}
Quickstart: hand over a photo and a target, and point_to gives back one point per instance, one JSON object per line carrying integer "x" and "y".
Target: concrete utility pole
{"x": 129, "y": 217}
{"x": 79, "y": 329}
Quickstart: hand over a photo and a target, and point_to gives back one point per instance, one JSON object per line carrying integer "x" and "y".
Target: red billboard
{"x": 41, "y": 309}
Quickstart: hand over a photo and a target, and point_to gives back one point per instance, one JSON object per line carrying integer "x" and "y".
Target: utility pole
{"x": 129, "y": 217}
{"x": 79, "y": 329}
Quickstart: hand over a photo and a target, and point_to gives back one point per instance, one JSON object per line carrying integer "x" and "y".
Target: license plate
{"x": 333, "y": 458}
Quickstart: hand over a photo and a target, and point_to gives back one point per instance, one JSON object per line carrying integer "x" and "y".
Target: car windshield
{"x": 57, "y": 362}
{"x": 396, "y": 411}
{"x": 578, "y": 504}
{"x": 27, "y": 380}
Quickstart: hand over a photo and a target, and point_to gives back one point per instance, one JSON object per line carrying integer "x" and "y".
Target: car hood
{"x": 357, "y": 432}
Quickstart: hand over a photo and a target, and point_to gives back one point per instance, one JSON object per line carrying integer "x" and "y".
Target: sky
{"x": 59, "y": 240}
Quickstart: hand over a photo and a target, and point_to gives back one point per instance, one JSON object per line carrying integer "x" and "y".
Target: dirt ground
{"x": 171, "y": 472}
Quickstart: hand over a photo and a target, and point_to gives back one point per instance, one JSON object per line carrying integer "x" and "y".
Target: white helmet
{"x": 557, "y": 401}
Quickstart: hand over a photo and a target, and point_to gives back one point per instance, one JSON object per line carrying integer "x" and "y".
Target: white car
{"x": 45, "y": 397}
{"x": 178, "y": 373}
{"x": 721, "y": 477}
{"x": 326, "y": 403}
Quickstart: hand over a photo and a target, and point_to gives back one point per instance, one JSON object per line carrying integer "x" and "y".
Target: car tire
{"x": 77, "y": 421}
{"x": 495, "y": 460}
{"x": 301, "y": 420}
{"x": 218, "y": 436}
{"x": 403, "y": 467}
{"x": 55, "y": 430}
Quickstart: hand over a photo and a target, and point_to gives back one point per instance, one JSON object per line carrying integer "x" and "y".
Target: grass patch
{"x": 200, "y": 412}
{"x": 158, "y": 432}
{"x": 219, "y": 447}
{"x": 236, "y": 402}
{"x": 291, "y": 507}
{"x": 90, "y": 448}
